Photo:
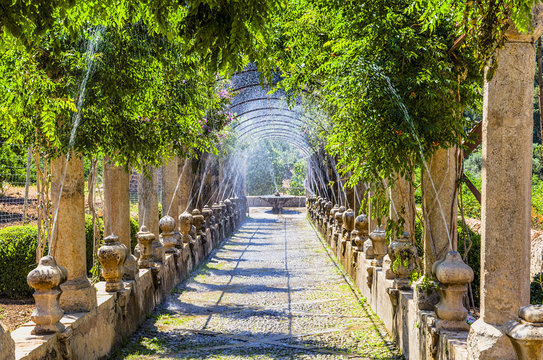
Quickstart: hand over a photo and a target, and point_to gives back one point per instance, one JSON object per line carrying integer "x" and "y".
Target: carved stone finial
{"x": 112, "y": 256}
{"x": 45, "y": 280}
{"x": 360, "y": 232}
{"x": 167, "y": 233}
{"x": 145, "y": 241}
{"x": 453, "y": 276}
{"x": 185, "y": 225}
{"x": 378, "y": 239}
{"x": 402, "y": 255}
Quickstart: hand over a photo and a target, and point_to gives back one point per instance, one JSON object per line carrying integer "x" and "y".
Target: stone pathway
{"x": 271, "y": 291}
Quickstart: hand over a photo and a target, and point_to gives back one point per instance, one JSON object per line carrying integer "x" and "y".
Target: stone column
{"x": 117, "y": 202}
{"x": 148, "y": 200}
{"x": 185, "y": 186}
{"x": 506, "y": 195}
{"x": 402, "y": 203}
{"x": 69, "y": 246}
{"x": 439, "y": 206}
{"x": 170, "y": 179}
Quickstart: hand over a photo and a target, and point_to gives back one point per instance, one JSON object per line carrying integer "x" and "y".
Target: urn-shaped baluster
{"x": 198, "y": 220}
{"x": 228, "y": 204}
{"x": 185, "y": 225}
{"x": 453, "y": 276}
{"x": 112, "y": 256}
{"x": 348, "y": 224}
{"x": 45, "y": 280}
{"x": 402, "y": 256}
{"x": 145, "y": 241}
{"x": 526, "y": 332}
{"x": 360, "y": 234}
{"x": 378, "y": 239}
{"x": 167, "y": 233}
{"x": 207, "y": 213}
{"x": 339, "y": 219}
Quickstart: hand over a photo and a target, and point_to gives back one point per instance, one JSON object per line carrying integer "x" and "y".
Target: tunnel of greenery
{"x": 347, "y": 101}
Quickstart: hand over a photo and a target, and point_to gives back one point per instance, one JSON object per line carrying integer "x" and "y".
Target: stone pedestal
{"x": 69, "y": 236}
{"x": 112, "y": 256}
{"x": 506, "y": 194}
{"x": 526, "y": 333}
{"x": 439, "y": 206}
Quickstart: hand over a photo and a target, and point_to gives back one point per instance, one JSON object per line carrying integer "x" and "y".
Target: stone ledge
{"x": 117, "y": 315}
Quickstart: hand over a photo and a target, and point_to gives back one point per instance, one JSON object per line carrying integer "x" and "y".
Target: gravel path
{"x": 271, "y": 291}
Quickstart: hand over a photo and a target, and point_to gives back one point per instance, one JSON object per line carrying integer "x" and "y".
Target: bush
{"x": 89, "y": 240}
{"x": 536, "y": 290}
{"x": 134, "y": 228}
{"x": 473, "y": 260}
{"x": 17, "y": 258}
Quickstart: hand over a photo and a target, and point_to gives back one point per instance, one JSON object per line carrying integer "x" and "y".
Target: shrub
{"x": 89, "y": 240}
{"x": 17, "y": 258}
{"x": 536, "y": 290}
{"x": 134, "y": 228}
{"x": 473, "y": 259}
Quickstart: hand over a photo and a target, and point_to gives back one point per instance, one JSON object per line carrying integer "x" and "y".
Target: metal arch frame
{"x": 273, "y": 127}
{"x": 308, "y": 151}
{"x": 299, "y": 114}
{"x": 267, "y": 119}
{"x": 283, "y": 132}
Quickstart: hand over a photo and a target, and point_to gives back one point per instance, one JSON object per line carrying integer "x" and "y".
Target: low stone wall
{"x": 413, "y": 330}
{"x": 94, "y": 334}
{"x": 255, "y": 201}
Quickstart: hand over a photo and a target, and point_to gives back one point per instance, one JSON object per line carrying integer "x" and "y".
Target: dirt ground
{"x": 14, "y": 313}
{"x": 12, "y": 206}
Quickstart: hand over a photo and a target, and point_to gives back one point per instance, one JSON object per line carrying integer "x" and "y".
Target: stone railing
{"x": 133, "y": 286}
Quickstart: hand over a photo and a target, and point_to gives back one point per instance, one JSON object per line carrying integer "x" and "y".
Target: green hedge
{"x": 17, "y": 258}
{"x": 134, "y": 228}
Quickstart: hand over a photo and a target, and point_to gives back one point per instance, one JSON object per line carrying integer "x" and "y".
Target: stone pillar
{"x": 148, "y": 200}
{"x": 69, "y": 236}
{"x": 402, "y": 203}
{"x": 170, "y": 179}
{"x": 184, "y": 192}
{"x": 439, "y": 206}
{"x": 506, "y": 195}
{"x": 117, "y": 202}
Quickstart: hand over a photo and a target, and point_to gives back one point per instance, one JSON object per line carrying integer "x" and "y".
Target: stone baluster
{"x": 46, "y": 280}
{"x": 326, "y": 222}
{"x": 201, "y": 240}
{"x": 224, "y": 223}
{"x": 145, "y": 243}
{"x": 402, "y": 255}
{"x": 210, "y": 225}
{"x": 218, "y": 226}
{"x": 336, "y": 236}
{"x": 68, "y": 248}
{"x": 112, "y": 256}
{"x": 346, "y": 245}
{"x": 185, "y": 226}
{"x": 229, "y": 215}
{"x": 453, "y": 276}
{"x": 331, "y": 224}
{"x": 378, "y": 240}
{"x": 526, "y": 332}
{"x": 168, "y": 236}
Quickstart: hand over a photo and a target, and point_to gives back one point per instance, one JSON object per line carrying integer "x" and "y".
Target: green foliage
{"x": 536, "y": 290}
{"x": 390, "y": 89}
{"x": 134, "y": 228}
{"x": 473, "y": 243}
{"x": 268, "y": 163}
{"x": 17, "y": 258}
{"x": 298, "y": 177}
{"x": 92, "y": 267}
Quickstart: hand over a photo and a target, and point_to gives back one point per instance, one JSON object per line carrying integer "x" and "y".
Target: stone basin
{"x": 277, "y": 201}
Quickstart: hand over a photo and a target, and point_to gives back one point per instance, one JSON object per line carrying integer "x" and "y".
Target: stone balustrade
{"x": 124, "y": 299}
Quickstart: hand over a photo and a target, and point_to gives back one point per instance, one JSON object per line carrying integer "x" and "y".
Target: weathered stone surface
{"x": 7, "y": 345}
{"x": 170, "y": 181}
{"x": 527, "y": 335}
{"x": 112, "y": 256}
{"x": 117, "y": 202}
{"x": 148, "y": 202}
{"x": 69, "y": 234}
{"x": 439, "y": 206}
{"x": 402, "y": 203}
{"x": 45, "y": 280}
{"x": 505, "y": 214}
